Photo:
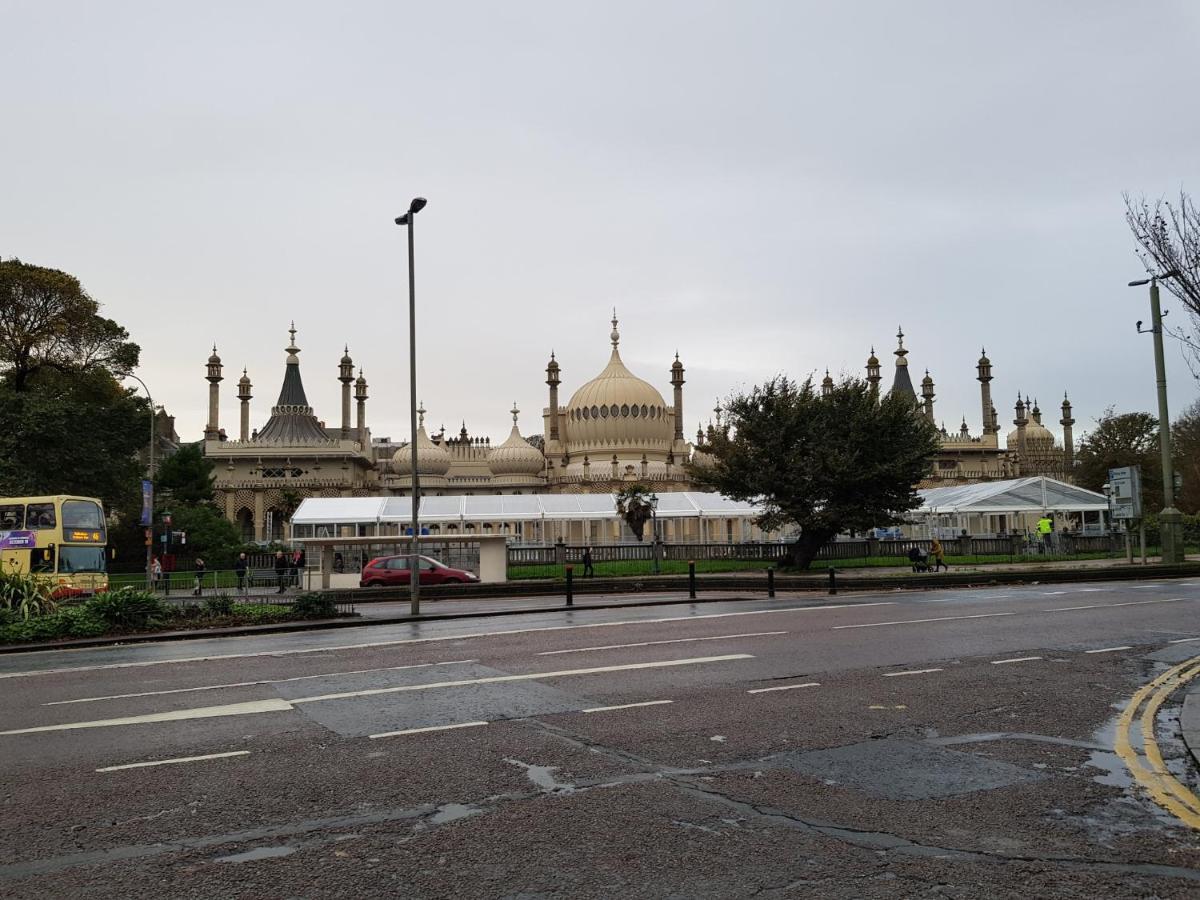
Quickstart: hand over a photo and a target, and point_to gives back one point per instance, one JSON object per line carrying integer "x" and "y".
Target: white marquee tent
{"x": 1003, "y": 506}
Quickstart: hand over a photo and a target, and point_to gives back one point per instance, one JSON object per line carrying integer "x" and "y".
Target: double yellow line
{"x": 1148, "y": 768}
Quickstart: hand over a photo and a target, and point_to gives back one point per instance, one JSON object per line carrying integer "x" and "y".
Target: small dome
{"x": 515, "y": 456}
{"x": 245, "y": 379}
{"x": 676, "y": 366}
{"x": 431, "y": 459}
{"x": 346, "y": 360}
{"x": 1036, "y": 436}
{"x": 361, "y": 379}
{"x": 552, "y": 366}
{"x": 214, "y": 360}
{"x": 927, "y": 380}
{"x": 872, "y": 360}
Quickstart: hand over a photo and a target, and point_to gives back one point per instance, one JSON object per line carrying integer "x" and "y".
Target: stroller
{"x": 919, "y": 559}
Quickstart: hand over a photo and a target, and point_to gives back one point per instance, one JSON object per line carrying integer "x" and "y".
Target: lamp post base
{"x": 1170, "y": 535}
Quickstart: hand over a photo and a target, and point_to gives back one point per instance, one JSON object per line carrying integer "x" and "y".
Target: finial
{"x": 899, "y": 337}
{"x": 214, "y": 347}
{"x": 421, "y": 415}
{"x": 551, "y": 355}
{"x": 292, "y": 349}
{"x": 514, "y": 412}
{"x": 615, "y": 337}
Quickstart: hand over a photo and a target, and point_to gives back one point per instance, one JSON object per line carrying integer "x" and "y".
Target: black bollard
{"x": 570, "y": 585}
{"x": 167, "y": 583}
{"x": 692, "y": 579}
{"x": 832, "y": 580}
{"x": 770, "y": 581}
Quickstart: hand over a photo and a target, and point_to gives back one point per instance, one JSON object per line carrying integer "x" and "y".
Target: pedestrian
{"x": 588, "y": 572}
{"x": 1045, "y": 528}
{"x": 298, "y": 564}
{"x": 938, "y": 554}
{"x": 200, "y": 567}
{"x": 240, "y": 566}
{"x": 281, "y": 567}
{"x": 155, "y": 572}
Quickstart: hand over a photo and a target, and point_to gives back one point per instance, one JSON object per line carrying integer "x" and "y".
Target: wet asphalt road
{"x": 949, "y": 744}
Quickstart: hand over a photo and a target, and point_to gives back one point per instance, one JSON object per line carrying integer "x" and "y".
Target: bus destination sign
{"x": 86, "y": 536}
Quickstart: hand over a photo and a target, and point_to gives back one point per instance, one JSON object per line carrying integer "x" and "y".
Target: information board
{"x": 1125, "y": 486}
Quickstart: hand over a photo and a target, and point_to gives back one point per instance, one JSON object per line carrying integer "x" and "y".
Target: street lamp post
{"x": 414, "y": 575}
{"x": 653, "y": 498}
{"x": 1169, "y": 520}
{"x": 150, "y": 468}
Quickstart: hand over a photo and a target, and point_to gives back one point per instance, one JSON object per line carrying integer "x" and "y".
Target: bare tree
{"x": 1168, "y": 235}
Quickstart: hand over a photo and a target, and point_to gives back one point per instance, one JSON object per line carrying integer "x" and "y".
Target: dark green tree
{"x": 209, "y": 534}
{"x": 185, "y": 478}
{"x": 825, "y": 463}
{"x": 1185, "y": 442}
{"x": 1118, "y": 440}
{"x": 633, "y": 505}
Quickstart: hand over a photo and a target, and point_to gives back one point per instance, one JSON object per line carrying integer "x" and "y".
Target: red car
{"x": 393, "y": 570}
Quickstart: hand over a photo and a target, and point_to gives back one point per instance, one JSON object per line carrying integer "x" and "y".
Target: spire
{"x": 615, "y": 337}
{"x": 902, "y": 383}
{"x": 515, "y": 412}
{"x": 421, "y": 415}
{"x": 291, "y": 348}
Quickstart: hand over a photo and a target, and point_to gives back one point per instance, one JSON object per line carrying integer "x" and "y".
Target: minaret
{"x": 360, "y": 395}
{"x": 873, "y": 376}
{"x": 346, "y": 376}
{"x": 902, "y": 383}
{"x": 990, "y": 425}
{"x": 826, "y": 385}
{"x": 245, "y": 397}
{"x": 1068, "y": 439}
{"x": 552, "y": 380}
{"x": 1021, "y": 421}
{"x": 927, "y": 394}
{"x": 212, "y": 431}
{"x": 677, "y": 383}
{"x": 1036, "y": 412}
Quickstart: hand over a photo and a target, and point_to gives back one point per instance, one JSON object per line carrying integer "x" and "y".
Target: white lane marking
{"x": 404, "y": 641}
{"x": 911, "y": 672}
{"x": 1108, "y": 650}
{"x": 171, "y": 762}
{"x": 528, "y": 676}
{"x": 276, "y": 705}
{"x": 1106, "y": 605}
{"x": 785, "y": 687}
{"x": 204, "y": 712}
{"x": 940, "y": 600}
{"x": 1054, "y": 593}
{"x": 1015, "y": 659}
{"x": 1092, "y": 590}
{"x": 596, "y": 709}
{"x": 237, "y": 684}
{"x": 1149, "y": 587}
{"x": 918, "y": 621}
{"x": 388, "y": 734}
{"x": 1183, "y": 640}
{"x": 719, "y": 637}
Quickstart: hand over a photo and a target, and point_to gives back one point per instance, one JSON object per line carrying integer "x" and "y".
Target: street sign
{"x": 1126, "y": 486}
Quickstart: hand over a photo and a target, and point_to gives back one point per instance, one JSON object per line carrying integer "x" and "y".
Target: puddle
{"x": 451, "y": 812}
{"x": 258, "y": 853}
{"x": 543, "y": 777}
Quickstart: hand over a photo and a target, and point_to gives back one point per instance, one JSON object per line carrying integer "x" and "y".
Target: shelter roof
{"x": 1033, "y": 494}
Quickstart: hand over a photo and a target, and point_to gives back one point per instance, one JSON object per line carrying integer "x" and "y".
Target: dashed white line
{"x": 597, "y": 709}
{"x": 911, "y": 672}
{"x": 919, "y": 621}
{"x": 1108, "y": 650}
{"x": 277, "y": 705}
{"x": 785, "y": 687}
{"x": 1015, "y": 659}
{"x": 1183, "y": 640}
{"x": 1106, "y": 605}
{"x": 388, "y": 734}
{"x": 171, "y": 762}
{"x": 237, "y": 684}
{"x": 441, "y": 638}
{"x": 719, "y": 637}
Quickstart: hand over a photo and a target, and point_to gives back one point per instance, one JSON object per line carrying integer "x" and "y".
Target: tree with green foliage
{"x": 826, "y": 463}
{"x": 635, "y": 507}
{"x": 1185, "y": 442}
{"x": 1118, "y": 440}
{"x": 209, "y": 534}
{"x": 185, "y": 478}
{"x": 68, "y": 424}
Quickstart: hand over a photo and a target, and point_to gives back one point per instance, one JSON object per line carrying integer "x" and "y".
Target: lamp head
{"x": 418, "y": 204}
{"x": 402, "y": 220}
{"x": 1131, "y": 284}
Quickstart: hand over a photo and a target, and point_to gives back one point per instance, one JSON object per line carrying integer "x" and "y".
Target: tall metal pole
{"x": 1170, "y": 523}
{"x": 414, "y": 575}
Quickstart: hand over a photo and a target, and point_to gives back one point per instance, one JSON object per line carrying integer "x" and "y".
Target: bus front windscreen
{"x": 80, "y": 559}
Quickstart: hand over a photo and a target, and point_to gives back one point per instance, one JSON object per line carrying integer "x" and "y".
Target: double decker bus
{"x": 62, "y": 538}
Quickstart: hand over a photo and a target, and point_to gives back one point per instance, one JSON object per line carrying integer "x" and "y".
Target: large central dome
{"x": 617, "y": 408}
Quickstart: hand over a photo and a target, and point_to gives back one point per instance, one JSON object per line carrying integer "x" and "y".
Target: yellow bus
{"x": 61, "y": 537}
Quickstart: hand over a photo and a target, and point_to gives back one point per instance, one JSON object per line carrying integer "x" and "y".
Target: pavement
{"x": 958, "y": 743}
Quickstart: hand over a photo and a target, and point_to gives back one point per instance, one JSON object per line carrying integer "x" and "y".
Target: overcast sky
{"x": 764, "y": 187}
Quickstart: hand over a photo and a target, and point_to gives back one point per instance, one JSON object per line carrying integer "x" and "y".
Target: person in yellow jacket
{"x": 1045, "y": 528}
{"x": 938, "y": 555}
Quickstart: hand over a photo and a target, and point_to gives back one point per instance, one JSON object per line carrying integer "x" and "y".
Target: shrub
{"x": 261, "y": 613}
{"x": 314, "y": 606}
{"x": 26, "y": 596}
{"x": 129, "y": 608}
{"x": 79, "y": 621}
{"x": 221, "y": 605}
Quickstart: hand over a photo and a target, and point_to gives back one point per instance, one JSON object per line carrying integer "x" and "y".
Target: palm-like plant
{"x": 635, "y": 505}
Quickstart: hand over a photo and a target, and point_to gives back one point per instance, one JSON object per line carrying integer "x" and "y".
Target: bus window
{"x": 83, "y": 514}
{"x": 41, "y": 560}
{"x": 80, "y": 559}
{"x": 41, "y": 515}
{"x": 12, "y": 517}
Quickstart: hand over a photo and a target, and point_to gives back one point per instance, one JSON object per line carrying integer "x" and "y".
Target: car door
{"x": 397, "y": 570}
{"x": 431, "y": 573}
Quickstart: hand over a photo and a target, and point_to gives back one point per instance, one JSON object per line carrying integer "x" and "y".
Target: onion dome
{"x": 214, "y": 360}
{"x": 515, "y": 456}
{"x": 432, "y": 460}
{"x": 617, "y": 407}
{"x": 346, "y": 360}
{"x": 244, "y": 381}
{"x": 872, "y": 360}
{"x": 983, "y": 359}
